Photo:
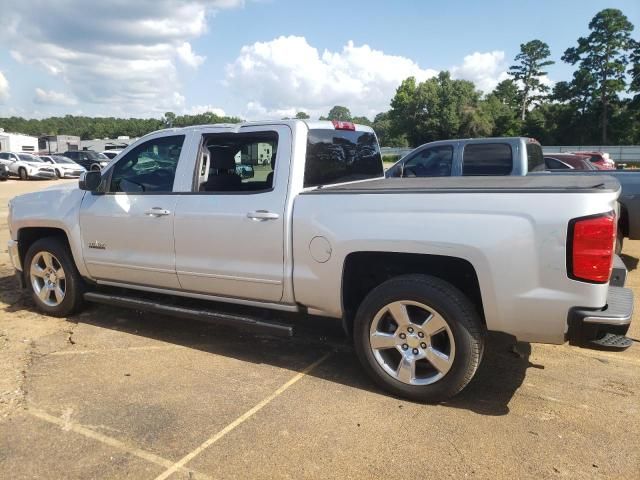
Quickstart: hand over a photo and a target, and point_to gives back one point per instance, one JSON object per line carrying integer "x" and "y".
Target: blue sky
{"x": 263, "y": 58}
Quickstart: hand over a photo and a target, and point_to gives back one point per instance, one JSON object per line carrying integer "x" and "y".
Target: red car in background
{"x": 601, "y": 160}
{"x": 568, "y": 161}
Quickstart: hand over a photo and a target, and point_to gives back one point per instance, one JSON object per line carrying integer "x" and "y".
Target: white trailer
{"x": 16, "y": 142}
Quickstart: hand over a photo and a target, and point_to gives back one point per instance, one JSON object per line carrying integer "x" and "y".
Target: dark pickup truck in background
{"x": 511, "y": 156}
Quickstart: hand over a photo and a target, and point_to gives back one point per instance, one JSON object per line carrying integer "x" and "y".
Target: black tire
{"x": 58, "y": 173}
{"x": 74, "y": 284}
{"x": 95, "y": 167}
{"x": 458, "y": 313}
{"x": 22, "y": 172}
{"x": 619, "y": 241}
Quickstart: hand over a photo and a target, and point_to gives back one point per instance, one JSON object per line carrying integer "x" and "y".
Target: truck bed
{"x": 530, "y": 184}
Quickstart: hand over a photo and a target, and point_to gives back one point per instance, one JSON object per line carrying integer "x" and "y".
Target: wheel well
{"x": 623, "y": 223}
{"x": 363, "y": 271}
{"x": 28, "y": 235}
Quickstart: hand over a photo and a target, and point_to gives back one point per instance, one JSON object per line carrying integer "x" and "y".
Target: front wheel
{"x": 23, "y": 173}
{"x": 56, "y": 286}
{"x": 58, "y": 173}
{"x": 419, "y": 337}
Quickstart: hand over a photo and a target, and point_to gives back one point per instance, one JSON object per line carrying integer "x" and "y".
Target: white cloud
{"x": 4, "y": 88}
{"x": 198, "y": 109}
{"x": 486, "y": 69}
{"x": 285, "y": 75}
{"x": 119, "y": 54}
{"x": 186, "y": 54}
{"x": 50, "y": 97}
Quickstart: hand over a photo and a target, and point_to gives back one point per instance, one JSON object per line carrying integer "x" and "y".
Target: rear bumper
{"x": 587, "y": 324}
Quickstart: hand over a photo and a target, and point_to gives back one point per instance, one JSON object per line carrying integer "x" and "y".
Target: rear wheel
{"x": 23, "y": 173}
{"x": 51, "y": 274}
{"x": 419, "y": 337}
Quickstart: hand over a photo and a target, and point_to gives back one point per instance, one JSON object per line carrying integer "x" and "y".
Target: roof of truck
{"x": 236, "y": 127}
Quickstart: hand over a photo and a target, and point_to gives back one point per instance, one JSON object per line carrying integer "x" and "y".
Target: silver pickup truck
{"x": 512, "y": 156}
{"x": 417, "y": 269}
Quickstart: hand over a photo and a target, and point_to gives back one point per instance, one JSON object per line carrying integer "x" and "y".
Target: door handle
{"x": 262, "y": 215}
{"x": 157, "y": 212}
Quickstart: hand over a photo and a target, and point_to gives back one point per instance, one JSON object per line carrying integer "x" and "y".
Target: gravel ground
{"x": 113, "y": 393}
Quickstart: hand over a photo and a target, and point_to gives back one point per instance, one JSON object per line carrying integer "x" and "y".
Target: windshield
{"x": 25, "y": 157}
{"x": 61, "y": 159}
{"x": 96, "y": 156}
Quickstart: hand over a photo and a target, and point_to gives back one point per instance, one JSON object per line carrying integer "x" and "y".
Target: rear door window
{"x": 487, "y": 159}
{"x": 337, "y": 156}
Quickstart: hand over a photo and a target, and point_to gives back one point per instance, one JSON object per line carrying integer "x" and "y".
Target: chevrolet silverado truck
{"x": 418, "y": 270}
{"x": 512, "y": 156}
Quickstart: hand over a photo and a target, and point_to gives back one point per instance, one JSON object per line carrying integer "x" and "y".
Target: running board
{"x": 217, "y": 318}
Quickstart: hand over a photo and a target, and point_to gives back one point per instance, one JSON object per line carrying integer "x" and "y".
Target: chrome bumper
{"x": 14, "y": 255}
{"x": 41, "y": 174}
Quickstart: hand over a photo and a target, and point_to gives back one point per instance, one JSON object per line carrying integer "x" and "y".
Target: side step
{"x": 612, "y": 341}
{"x": 218, "y": 318}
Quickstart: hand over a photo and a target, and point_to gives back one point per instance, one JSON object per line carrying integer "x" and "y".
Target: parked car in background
{"x": 601, "y": 160}
{"x": 417, "y": 269}
{"x": 471, "y": 157}
{"x": 111, "y": 154}
{"x": 4, "y": 172}
{"x": 26, "y": 166}
{"x": 567, "y": 161}
{"x": 63, "y": 166}
{"x": 88, "y": 159}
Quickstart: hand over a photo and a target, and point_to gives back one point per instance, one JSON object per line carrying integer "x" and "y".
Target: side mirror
{"x": 90, "y": 181}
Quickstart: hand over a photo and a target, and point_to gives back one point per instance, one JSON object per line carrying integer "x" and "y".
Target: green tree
{"x": 339, "y": 113}
{"x": 383, "y": 128}
{"x": 438, "y": 108}
{"x": 302, "y": 116}
{"x": 634, "y": 69}
{"x": 603, "y": 56}
{"x": 528, "y": 71}
{"x": 169, "y": 119}
{"x": 362, "y": 121}
{"x": 507, "y": 93}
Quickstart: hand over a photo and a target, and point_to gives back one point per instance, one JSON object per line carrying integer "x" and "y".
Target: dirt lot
{"x": 113, "y": 393}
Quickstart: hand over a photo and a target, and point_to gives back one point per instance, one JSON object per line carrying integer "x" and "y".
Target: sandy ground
{"x": 113, "y": 393}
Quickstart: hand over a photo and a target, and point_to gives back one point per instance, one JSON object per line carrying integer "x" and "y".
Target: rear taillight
{"x": 340, "y": 125}
{"x": 590, "y": 247}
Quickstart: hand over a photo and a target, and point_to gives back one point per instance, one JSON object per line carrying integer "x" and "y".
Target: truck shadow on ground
{"x": 501, "y": 373}
{"x": 630, "y": 262}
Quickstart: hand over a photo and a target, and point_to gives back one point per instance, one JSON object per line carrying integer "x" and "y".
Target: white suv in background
{"x": 26, "y": 165}
{"x": 64, "y": 167}
{"x": 111, "y": 154}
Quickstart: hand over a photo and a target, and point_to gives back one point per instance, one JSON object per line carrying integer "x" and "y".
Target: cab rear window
{"x": 535, "y": 157}
{"x": 337, "y": 156}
